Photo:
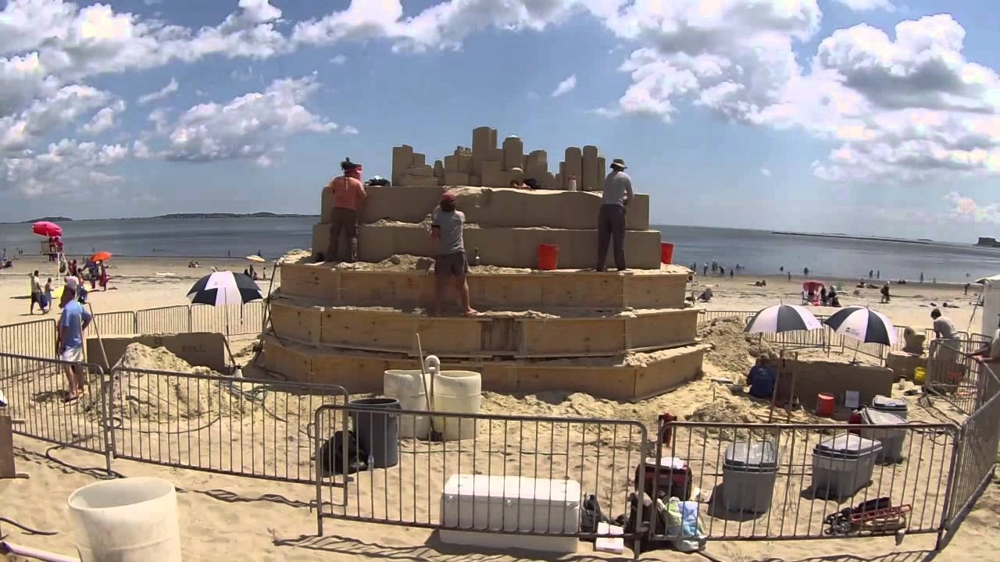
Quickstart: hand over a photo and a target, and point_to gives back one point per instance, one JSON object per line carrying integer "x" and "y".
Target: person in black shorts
{"x": 451, "y": 264}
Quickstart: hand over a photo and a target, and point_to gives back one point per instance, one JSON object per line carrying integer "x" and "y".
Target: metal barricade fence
{"x": 121, "y": 323}
{"x": 37, "y": 389}
{"x": 975, "y": 463}
{"x": 34, "y": 339}
{"x": 217, "y": 424}
{"x": 492, "y": 452}
{"x": 234, "y": 320}
{"x": 958, "y": 377}
{"x": 164, "y": 320}
{"x": 775, "y": 486}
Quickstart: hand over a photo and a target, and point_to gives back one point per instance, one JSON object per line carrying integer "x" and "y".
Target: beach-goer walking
{"x": 611, "y": 218}
{"x": 878, "y": 274}
{"x": 451, "y": 264}
{"x": 966, "y": 288}
{"x": 704, "y": 269}
{"x": 732, "y": 273}
{"x": 722, "y": 271}
{"x": 805, "y": 271}
{"x": 73, "y": 322}
{"x": 36, "y": 292}
{"x": 871, "y": 273}
{"x": 47, "y": 297}
{"x": 885, "y": 293}
{"x": 789, "y": 275}
{"x": 348, "y": 195}
{"x": 921, "y": 276}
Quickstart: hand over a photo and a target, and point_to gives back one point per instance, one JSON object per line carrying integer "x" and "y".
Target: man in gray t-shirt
{"x": 611, "y": 219}
{"x": 451, "y": 264}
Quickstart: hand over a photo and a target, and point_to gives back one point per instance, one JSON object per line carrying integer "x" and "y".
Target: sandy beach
{"x": 274, "y": 521}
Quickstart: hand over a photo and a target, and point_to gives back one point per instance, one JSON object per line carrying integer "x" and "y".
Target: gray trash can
{"x": 890, "y": 405}
{"x": 377, "y": 428}
{"x": 748, "y": 474}
{"x": 891, "y": 439}
{"x": 842, "y": 465}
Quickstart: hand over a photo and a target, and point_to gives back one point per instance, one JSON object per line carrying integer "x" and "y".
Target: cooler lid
{"x": 758, "y": 454}
{"x": 513, "y": 488}
{"x": 877, "y": 417}
{"x": 887, "y": 403}
{"x": 847, "y": 445}
{"x": 672, "y": 463}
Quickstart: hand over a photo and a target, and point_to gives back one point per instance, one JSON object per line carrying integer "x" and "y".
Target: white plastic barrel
{"x": 127, "y": 520}
{"x": 459, "y": 392}
{"x": 407, "y": 386}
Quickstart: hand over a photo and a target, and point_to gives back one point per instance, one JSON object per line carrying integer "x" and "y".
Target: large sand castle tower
{"x": 615, "y": 335}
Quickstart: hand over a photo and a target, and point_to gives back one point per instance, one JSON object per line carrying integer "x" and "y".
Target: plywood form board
{"x": 289, "y": 360}
{"x": 660, "y": 329}
{"x": 574, "y": 289}
{"x": 655, "y": 291}
{"x": 571, "y": 336}
{"x": 396, "y": 289}
{"x": 311, "y": 281}
{"x": 459, "y": 335}
{"x": 515, "y": 291}
{"x": 680, "y": 366}
{"x": 299, "y": 323}
{"x": 355, "y": 373}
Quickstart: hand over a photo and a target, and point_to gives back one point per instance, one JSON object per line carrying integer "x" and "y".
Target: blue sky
{"x": 857, "y": 116}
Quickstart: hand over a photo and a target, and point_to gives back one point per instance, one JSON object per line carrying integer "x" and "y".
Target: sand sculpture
{"x": 613, "y": 335}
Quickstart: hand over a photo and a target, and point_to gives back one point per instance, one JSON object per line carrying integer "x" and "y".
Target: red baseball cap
{"x": 448, "y": 196}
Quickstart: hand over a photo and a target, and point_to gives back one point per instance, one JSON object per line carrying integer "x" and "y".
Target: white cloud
{"x": 247, "y": 127}
{"x": 66, "y": 166}
{"x": 967, "y": 209}
{"x": 49, "y": 114}
{"x": 339, "y": 60}
{"x": 349, "y": 130}
{"x": 765, "y": 172}
{"x": 868, "y": 5}
{"x": 160, "y": 94}
{"x": 565, "y": 87}
{"x": 105, "y": 119}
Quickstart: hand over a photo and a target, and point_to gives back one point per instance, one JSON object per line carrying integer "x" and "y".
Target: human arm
{"x": 435, "y": 232}
{"x": 628, "y": 191}
{"x": 87, "y": 319}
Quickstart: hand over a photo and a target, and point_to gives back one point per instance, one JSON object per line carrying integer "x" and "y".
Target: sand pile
{"x": 167, "y": 397}
{"x": 295, "y": 256}
{"x": 734, "y": 348}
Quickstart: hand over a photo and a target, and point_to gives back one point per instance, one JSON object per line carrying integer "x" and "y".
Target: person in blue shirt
{"x": 73, "y": 322}
{"x": 762, "y": 378}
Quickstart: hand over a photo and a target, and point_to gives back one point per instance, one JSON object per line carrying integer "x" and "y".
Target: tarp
{"x": 991, "y": 303}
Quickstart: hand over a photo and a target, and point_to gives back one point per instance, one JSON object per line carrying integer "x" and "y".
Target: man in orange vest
{"x": 348, "y": 195}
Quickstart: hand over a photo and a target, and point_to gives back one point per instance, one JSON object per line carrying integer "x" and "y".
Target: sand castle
{"x": 614, "y": 335}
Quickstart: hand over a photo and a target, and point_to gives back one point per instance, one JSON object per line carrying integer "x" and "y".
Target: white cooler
{"x": 472, "y": 503}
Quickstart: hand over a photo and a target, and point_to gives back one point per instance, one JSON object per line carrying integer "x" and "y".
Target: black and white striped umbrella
{"x": 224, "y": 287}
{"x": 863, "y": 324}
{"x": 783, "y": 318}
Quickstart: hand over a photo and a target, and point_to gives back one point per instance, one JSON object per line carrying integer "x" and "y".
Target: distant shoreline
{"x": 855, "y": 237}
{"x": 257, "y": 215}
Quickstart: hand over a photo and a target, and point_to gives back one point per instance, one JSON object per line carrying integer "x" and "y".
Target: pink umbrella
{"x": 46, "y": 228}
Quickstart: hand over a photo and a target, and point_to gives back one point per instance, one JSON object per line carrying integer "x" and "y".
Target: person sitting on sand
{"x": 73, "y": 322}
{"x": 705, "y": 295}
{"x": 451, "y": 264}
{"x": 823, "y": 299}
{"x": 832, "y": 298}
{"x": 762, "y": 377}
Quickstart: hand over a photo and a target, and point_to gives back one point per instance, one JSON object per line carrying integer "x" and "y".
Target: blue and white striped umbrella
{"x": 783, "y": 318}
{"x": 863, "y": 324}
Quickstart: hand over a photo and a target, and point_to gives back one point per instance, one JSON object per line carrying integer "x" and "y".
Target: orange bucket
{"x": 667, "y": 253}
{"x": 824, "y": 405}
{"x": 548, "y": 256}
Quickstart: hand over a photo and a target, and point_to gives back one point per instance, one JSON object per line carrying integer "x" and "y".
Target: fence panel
{"x": 958, "y": 377}
{"x": 121, "y": 323}
{"x": 232, "y": 320}
{"x": 796, "y": 498}
{"x": 34, "y": 339}
{"x": 164, "y": 320}
{"x": 976, "y": 461}
{"x": 36, "y": 391}
{"x": 244, "y": 427}
{"x": 600, "y": 455}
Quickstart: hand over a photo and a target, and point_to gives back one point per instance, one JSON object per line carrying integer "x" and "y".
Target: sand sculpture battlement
{"x": 615, "y": 335}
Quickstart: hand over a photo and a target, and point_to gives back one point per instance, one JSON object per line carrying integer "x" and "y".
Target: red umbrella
{"x": 100, "y": 256}
{"x": 46, "y": 228}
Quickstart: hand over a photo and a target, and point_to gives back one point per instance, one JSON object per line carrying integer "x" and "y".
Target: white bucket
{"x": 407, "y": 386}
{"x": 459, "y": 392}
{"x": 127, "y": 520}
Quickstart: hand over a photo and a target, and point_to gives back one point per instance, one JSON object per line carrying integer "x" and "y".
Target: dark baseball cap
{"x": 448, "y": 196}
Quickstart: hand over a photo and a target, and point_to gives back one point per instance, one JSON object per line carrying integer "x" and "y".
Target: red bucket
{"x": 667, "y": 253}
{"x": 824, "y": 405}
{"x": 548, "y": 256}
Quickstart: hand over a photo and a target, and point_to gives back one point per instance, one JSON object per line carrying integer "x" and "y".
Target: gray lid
{"x": 884, "y": 402}
{"x": 756, "y": 455}
{"x": 878, "y": 417}
{"x": 847, "y": 445}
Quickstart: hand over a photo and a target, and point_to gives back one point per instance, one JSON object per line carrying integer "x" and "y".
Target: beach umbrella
{"x": 863, "y": 324}
{"x": 223, "y": 288}
{"x": 46, "y": 228}
{"x": 100, "y": 256}
{"x": 782, "y": 318}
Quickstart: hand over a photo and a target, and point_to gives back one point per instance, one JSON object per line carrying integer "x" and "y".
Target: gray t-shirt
{"x": 451, "y": 241}
{"x": 616, "y": 186}
{"x": 944, "y": 326}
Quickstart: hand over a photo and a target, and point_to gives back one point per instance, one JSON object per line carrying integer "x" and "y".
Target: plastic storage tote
{"x": 749, "y": 471}
{"x": 891, "y": 405}
{"x": 842, "y": 465}
{"x": 891, "y": 439}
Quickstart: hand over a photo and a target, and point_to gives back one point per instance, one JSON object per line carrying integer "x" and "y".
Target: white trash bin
{"x": 127, "y": 520}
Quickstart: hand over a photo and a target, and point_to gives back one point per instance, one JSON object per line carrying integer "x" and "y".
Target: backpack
{"x": 330, "y": 454}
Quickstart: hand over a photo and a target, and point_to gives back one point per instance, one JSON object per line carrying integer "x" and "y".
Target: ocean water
{"x": 762, "y": 253}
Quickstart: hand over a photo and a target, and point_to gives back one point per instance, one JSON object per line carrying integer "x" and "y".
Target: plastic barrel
{"x": 407, "y": 386}
{"x": 824, "y": 405}
{"x": 920, "y": 375}
{"x": 457, "y": 392}
{"x": 127, "y": 520}
{"x": 548, "y": 256}
{"x": 377, "y": 427}
{"x": 667, "y": 253}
